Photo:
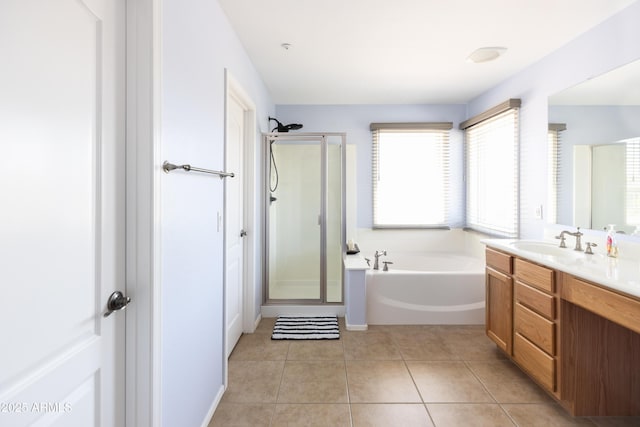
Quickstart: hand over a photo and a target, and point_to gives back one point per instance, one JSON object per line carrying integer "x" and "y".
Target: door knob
{"x": 117, "y": 301}
{"x": 243, "y": 233}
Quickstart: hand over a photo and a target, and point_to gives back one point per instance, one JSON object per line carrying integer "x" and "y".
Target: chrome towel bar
{"x": 168, "y": 167}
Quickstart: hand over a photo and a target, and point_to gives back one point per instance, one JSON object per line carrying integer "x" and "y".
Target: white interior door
{"x": 62, "y": 217}
{"x": 234, "y": 237}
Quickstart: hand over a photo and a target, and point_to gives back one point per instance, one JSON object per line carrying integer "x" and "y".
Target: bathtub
{"x": 426, "y": 289}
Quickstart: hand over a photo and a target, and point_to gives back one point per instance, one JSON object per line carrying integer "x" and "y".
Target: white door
{"x": 234, "y": 237}
{"x": 62, "y": 212}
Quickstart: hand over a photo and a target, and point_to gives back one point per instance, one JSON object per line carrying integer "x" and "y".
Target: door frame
{"x": 233, "y": 89}
{"x": 143, "y": 168}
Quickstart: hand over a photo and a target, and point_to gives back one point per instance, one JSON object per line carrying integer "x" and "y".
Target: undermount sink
{"x": 545, "y": 248}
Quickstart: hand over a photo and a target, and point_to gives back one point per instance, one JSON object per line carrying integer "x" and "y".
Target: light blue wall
{"x": 355, "y": 121}
{"x": 197, "y": 45}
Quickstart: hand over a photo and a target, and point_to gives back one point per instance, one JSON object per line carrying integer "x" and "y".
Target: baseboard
{"x": 351, "y": 327}
{"x": 214, "y": 406}
{"x": 257, "y": 322}
{"x": 309, "y": 310}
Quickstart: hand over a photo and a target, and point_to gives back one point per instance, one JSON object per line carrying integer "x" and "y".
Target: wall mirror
{"x": 596, "y": 169}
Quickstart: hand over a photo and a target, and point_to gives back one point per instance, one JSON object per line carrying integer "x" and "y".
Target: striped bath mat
{"x": 306, "y": 328}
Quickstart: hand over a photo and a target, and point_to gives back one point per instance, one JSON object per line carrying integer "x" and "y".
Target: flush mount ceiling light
{"x": 486, "y": 54}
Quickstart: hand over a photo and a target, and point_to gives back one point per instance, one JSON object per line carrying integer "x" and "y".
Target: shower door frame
{"x": 322, "y": 139}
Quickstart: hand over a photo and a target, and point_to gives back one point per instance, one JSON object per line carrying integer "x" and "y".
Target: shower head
{"x": 285, "y": 128}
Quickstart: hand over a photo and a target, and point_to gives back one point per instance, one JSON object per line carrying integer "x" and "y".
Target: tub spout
{"x": 378, "y": 254}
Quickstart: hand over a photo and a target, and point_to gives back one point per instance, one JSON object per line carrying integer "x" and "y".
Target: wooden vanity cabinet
{"x": 499, "y": 299}
{"x": 534, "y": 322}
{"x": 577, "y": 339}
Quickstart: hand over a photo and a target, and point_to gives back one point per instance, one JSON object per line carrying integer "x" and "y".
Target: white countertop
{"x": 618, "y": 274}
{"x": 355, "y": 262}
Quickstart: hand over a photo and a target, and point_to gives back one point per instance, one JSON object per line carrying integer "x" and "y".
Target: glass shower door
{"x": 294, "y": 220}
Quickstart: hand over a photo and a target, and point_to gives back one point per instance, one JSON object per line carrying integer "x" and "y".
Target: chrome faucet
{"x": 577, "y": 235}
{"x": 378, "y": 254}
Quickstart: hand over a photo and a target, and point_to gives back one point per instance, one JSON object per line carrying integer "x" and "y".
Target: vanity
{"x": 569, "y": 320}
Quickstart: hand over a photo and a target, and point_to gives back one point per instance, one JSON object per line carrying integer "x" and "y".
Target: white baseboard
{"x": 214, "y": 406}
{"x": 256, "y": 323}
{"x": 308, "y": 310}
{"x": 351, "y": 327}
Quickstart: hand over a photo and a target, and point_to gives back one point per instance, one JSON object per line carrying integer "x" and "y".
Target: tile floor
{"x": 386, "y": 376}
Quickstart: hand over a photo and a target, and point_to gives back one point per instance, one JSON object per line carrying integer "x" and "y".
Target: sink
{"x": 544, "y": 248}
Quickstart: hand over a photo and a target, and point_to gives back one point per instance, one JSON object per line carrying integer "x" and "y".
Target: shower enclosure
{"x": 304, "y": 217}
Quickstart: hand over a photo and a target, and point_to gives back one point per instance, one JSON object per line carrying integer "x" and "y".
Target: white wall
{"x": 609, "y": 45}
{"x": 197, "y": 44}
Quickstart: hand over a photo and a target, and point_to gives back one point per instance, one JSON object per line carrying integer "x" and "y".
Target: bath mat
{"x": 306, "y": 328}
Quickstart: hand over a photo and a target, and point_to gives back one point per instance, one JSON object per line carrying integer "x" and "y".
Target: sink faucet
{"x": 577, "y": 235}
{"x": 378, "y": 254}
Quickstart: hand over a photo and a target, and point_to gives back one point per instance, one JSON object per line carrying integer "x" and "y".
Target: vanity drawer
{"x": 536, "y": 362}
{"x": 535, "y": 328}
{"x": 535, "y": 275}
{"x": 536, "y": 300}
{"x": 499, "y": 261}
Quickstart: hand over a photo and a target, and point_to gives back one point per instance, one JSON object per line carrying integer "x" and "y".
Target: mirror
{"x": 597, "y": 154}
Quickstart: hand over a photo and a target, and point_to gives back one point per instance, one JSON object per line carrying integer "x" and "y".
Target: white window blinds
{"x": 411, "y": 178}
{"x": 491, "y": 153}
{"x": 553, "y": 170}
{"x": 632, "y": 208}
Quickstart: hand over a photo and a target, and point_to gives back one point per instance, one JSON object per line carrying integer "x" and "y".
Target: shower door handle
{"x": 243, "y": 233}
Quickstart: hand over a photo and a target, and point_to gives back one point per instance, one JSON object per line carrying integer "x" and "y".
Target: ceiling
{"x": 401, "y": 51}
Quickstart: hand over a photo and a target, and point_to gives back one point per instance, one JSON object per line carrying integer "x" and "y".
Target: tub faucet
{"x": 378, "y": 254}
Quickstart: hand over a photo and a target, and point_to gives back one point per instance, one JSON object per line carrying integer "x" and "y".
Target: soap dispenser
{"x": 612, "y": 242}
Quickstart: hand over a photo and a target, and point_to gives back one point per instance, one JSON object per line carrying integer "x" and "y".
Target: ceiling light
{"x": 286, "y": 46}
{"x": 486, "y": 54}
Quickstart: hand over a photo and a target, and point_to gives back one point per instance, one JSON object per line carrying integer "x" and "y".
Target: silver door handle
{"x": 117, "y": 301}
{"x": 243, "y": 233}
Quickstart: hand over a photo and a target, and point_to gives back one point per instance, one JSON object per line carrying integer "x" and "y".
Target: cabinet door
{"x": 499, "y": 310}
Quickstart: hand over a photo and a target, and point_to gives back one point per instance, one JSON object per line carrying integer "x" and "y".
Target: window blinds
{"x": 553, "y": 170}
{"x": 632, "y": 208}
{"x": 411, "y": 175}
{"x": 491, "y": 152}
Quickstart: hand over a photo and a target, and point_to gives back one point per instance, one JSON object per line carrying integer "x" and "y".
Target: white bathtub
{"x": 426, "y": 289}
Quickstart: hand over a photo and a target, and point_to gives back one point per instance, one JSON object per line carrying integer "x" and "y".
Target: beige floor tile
{"x": 390, "y": 414}
{"x": 543, "y": 415}
{"x": 441, "y": 382}
{"x": 238, "y": 414}
{"x": 266, "y": 325}
{"x": 423, "y": 345}
{"x": 307, "y": 415}
{"x": 468, "y": 414}
{"x": 370, "y": 346}
{"x": 380, "y": 382}
{"x": 616, "y": 421}
{"x": 313, "y": 382}
{"x": 253, "y": 381}
{"x": 469, "y": 342}
{"x": 316, "y": 350}
{"x": 259, "y": 347}
{"x": 507, "y": 383}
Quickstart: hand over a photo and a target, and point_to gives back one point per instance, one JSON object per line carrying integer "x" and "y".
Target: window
{"x": 553, "y": 170}
{"x": 491, "y": 157}
{"x": 410, "y": 175}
